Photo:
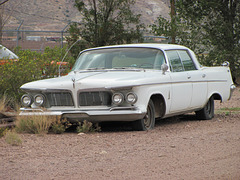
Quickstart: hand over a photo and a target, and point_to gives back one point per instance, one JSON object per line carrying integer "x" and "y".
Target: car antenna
{"x": 65, "y": 56}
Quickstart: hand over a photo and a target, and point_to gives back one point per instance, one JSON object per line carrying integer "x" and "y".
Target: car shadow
{"x": 176, "y": 119}
{"x": 128, "y": 126}
{"x": 116, "y": 126}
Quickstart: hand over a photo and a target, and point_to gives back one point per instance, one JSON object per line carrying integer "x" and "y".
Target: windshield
{"x": 120, "y": 58}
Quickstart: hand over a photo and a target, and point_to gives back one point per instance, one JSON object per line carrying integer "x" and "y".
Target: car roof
{"x": 144, "y": 45}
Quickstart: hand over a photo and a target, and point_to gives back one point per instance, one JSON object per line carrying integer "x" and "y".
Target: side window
{"x": 175, "y": 61}
{"x": 159, "y": 60}
{"x": 186, "y": 60}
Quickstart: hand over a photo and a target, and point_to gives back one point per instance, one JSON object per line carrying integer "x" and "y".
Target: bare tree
{"x": 4, "y": 17}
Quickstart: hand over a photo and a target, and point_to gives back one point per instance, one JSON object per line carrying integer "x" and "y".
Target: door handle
{"x": 204, "y": 75}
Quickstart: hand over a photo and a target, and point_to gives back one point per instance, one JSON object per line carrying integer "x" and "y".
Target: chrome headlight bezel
{"x": 26, "y": 100}
{"x": 117, "y": 98}
{"x": 39, "y": 100}
{"x": 131, "y": 98}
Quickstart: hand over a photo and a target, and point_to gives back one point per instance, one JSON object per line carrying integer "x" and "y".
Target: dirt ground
{"x": 178, "y": 148}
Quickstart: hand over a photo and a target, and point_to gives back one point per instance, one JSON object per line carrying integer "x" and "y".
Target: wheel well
{"x": 159, "y": 105}
{"x": 217, "y": 96}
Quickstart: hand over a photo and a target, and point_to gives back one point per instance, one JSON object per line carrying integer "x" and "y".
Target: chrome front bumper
{"x": 93, "y": 115}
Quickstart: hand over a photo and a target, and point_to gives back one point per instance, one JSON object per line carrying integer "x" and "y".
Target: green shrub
{"x": 14, "y": 74}
{"x": 13, "y": 138}
{"x": 31, "y": 66}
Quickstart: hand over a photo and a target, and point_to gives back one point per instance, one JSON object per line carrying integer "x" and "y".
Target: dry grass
{"x": 13, "y": 138}
{"x": 35, "y": 124}
{"x": 3, "y": 102}
{"x": 7, "y": 104}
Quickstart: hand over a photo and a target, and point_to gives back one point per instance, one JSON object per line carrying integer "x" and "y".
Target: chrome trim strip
{"x": 130, "y": 86}
{"x": 122, "y": 108}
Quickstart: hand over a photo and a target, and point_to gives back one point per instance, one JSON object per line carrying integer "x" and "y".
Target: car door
{"x": 197, "y": 77}
{"x": 181, "y": 86}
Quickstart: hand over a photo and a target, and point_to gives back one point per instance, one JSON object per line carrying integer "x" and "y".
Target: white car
{"x": 134, "y": 82}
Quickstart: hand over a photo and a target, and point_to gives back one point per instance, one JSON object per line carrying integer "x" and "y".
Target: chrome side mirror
{"x": 164, "y": 68}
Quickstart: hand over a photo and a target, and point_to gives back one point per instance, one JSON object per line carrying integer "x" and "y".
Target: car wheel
{"x": 207, "y": 112}
{"x": 148, "y": 121}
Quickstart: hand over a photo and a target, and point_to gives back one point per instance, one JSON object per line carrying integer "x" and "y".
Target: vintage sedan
{"x": 134, "y": 82}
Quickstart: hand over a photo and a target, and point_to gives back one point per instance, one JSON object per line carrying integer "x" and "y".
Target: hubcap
{"x": 147, "y": 118}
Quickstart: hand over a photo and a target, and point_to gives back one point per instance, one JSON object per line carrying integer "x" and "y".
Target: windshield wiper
{"x": 90, "y": 69}
{"x": 128, "y": 68}
{"x": 124, "y": 68}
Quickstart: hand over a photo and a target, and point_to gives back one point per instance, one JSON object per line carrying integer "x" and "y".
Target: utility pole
{"x": 173, "y": 21}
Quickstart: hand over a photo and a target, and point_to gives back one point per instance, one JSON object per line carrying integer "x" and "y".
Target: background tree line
{"x": 210, "y": 28}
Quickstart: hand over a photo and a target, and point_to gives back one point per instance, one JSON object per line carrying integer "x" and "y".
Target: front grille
{"x": 59, "y": 99}
{"x": 101, "y": 98}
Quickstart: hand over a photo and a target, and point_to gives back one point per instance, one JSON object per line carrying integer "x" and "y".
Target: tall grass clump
{"x": 35, "y": 124}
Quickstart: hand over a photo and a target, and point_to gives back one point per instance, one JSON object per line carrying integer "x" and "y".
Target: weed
{"x": 86, "y": 126}
{"x": 58, "y": 127}
{"x": 13, "y": 138}
{"x": 227, "y": 113}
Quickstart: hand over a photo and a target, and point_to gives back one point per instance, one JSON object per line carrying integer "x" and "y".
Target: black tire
{"x": 207, "y": 112}
{"x": 148, "y": 122}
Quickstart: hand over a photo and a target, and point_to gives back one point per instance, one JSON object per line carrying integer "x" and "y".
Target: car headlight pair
{"x": 118, "y": 98}
{"x": 27, "y": 100}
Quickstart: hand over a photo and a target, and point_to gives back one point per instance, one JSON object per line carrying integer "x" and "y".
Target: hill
{"x": 55, "y": 14}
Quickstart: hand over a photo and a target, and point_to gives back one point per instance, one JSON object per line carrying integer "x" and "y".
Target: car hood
{"x": 91, "y": 80}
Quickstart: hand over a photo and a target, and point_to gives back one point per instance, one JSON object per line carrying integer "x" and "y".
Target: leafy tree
{"x": 106, "y": 22}
{"x": 211, "y": 27}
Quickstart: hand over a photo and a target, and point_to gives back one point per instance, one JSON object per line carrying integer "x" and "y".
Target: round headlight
{"x": 39, "y": 100}
{"x": 131, "y": 98}
{"x": 117, "y": 98}
{"x": 26, "y": 100}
